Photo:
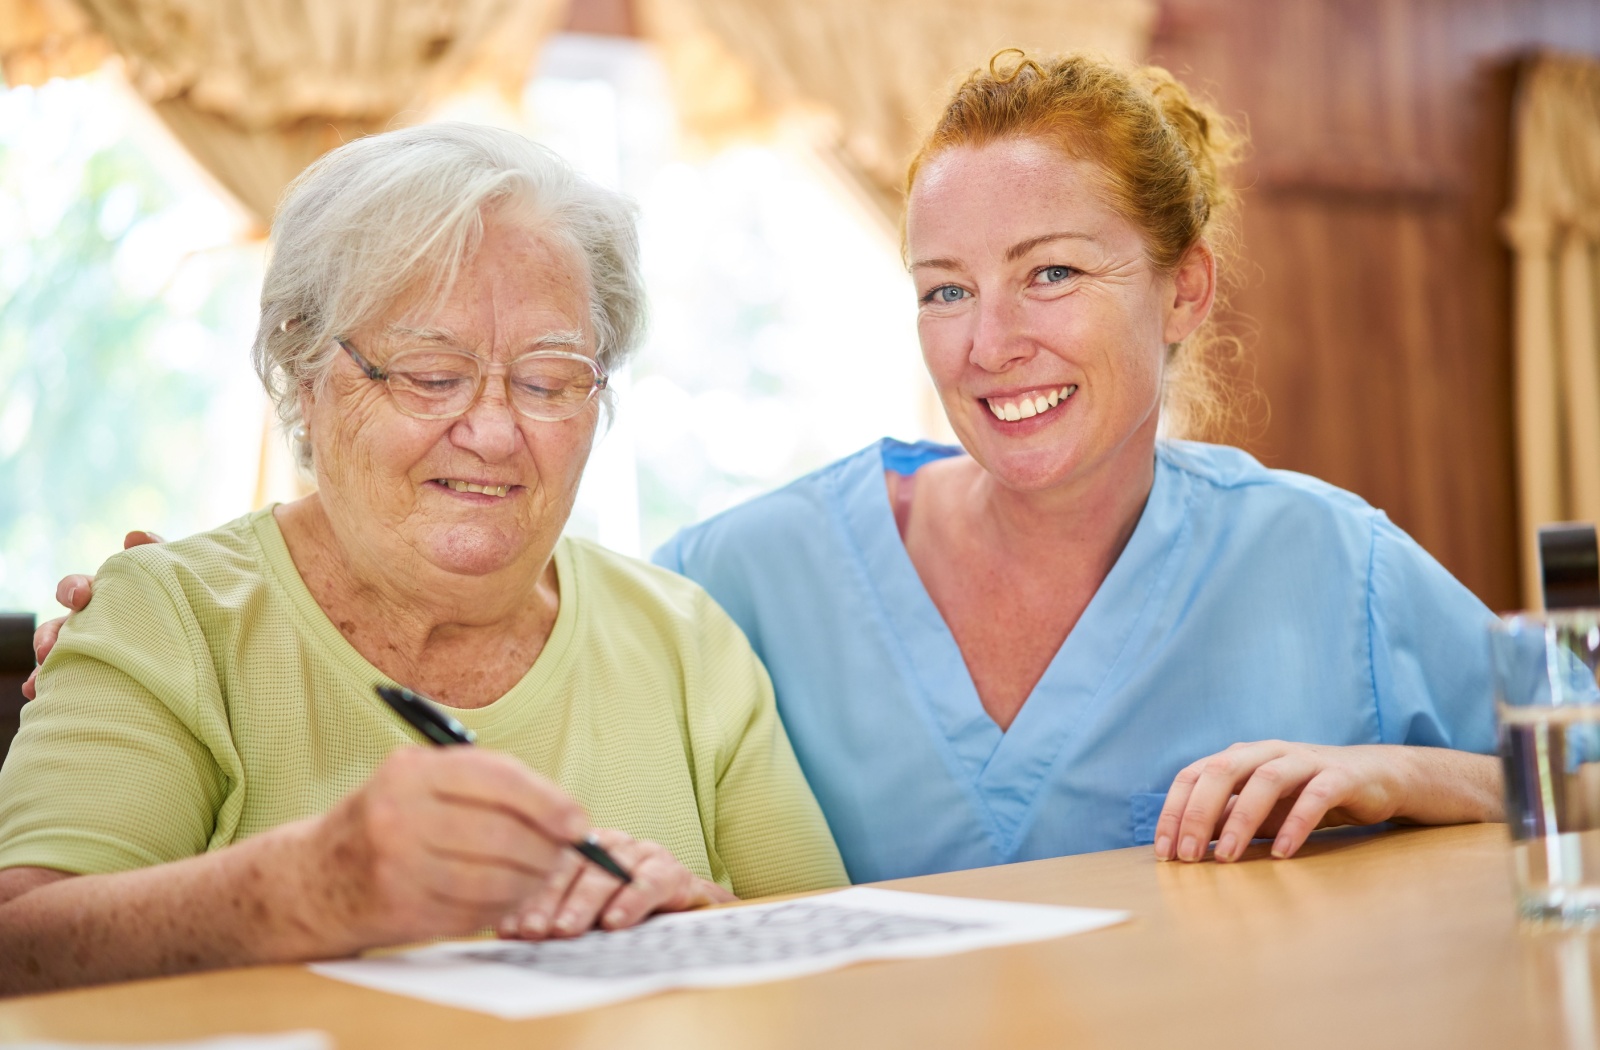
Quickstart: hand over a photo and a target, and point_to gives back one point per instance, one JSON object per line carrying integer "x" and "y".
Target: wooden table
{"x": 1403, "y": 938}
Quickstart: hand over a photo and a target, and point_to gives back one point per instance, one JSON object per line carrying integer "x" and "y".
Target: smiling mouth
{"x": 1026, "y": 406}
{"x": 455, "y": 485}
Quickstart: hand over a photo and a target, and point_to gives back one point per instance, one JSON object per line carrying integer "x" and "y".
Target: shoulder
{"x": 1232, "y": 493}
{"x": 1227, "y": 473}
{"x": 666, "y": 629}
{"x": 208, "y": 568}
{"x": 605, "y": 576}
{"x": 793, "y": 507}
{"x": 794, "y": 517}
{"x": 166, "y": 615}
{"x": 1304, "y": 526}
{"x": 615, "y": 589}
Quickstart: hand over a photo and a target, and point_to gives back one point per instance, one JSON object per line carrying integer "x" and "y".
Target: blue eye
{"x": 945, "y": 293}
{"x": 1056, "y": 274}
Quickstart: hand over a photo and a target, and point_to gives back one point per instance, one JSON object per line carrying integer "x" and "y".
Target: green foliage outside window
{"x": 107, "y": 391}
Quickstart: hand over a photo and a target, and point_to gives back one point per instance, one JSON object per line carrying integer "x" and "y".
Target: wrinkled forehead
{"x": 403, "y": 334}
{"x": 520, "y": 287}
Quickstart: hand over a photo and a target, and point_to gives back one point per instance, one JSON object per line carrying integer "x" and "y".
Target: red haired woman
{"x": 1076, "y": 632}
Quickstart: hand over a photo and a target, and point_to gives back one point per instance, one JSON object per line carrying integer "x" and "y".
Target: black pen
{"x": 441, "y": 730}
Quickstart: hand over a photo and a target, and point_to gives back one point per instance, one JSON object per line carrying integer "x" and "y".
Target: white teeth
{"x": 1030, "y": 405}
{"x": 467, "y": 486}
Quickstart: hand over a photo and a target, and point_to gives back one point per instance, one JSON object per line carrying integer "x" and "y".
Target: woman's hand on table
{"x": 73, "y": 592}
{"x": 581, "y": 896}
{"x": 1283, "y": 790}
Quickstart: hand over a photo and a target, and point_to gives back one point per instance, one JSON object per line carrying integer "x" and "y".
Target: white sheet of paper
{"x": 709, "y": 949}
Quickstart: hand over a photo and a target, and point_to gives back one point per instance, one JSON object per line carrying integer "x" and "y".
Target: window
{"x": 782, "y": 324}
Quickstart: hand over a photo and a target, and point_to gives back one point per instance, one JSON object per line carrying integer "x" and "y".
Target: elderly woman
{"x": 1073, "y": 634}
{"x": 207, "y": 778}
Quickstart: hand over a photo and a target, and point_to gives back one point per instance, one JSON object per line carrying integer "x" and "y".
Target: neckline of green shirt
{"x": 315, "y": 624}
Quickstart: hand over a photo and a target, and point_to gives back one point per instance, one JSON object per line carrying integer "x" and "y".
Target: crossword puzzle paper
{"x": 709, "y": 949}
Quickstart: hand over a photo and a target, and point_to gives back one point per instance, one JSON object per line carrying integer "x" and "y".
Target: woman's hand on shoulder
{"x": 74, "y": 593}
{"x": 583, "y": 897}
{"x": 1283, "y": 790}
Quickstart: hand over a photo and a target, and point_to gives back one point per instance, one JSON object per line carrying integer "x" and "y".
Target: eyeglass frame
{"x": 601, "y": 379}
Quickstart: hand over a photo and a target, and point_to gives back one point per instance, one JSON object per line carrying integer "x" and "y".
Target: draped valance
{"x": 257, "y": 89}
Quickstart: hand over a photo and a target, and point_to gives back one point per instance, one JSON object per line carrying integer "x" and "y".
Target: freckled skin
{"x": 1013, "y": 540}
{"x": 1032, "y": 519}
{"x": 454, "y": 597}
{"x": 1104, "y": 328}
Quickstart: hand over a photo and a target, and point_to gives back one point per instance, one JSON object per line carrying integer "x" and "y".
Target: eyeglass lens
{"x": 442, "y": 384}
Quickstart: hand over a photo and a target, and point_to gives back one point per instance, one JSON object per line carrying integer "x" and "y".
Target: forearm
{"x": 247, "y": 904}
{"x": 1451, "y": 787}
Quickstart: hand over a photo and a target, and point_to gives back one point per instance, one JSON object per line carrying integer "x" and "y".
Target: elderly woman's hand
{"x": 582, "y": 896}
{"x": 1288, "y": 790}
{"x": 439, "y": 842}
{"x": 73, "y": 592}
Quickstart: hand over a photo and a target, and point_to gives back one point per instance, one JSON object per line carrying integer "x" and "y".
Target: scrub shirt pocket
{"x": 1144, "y": 809}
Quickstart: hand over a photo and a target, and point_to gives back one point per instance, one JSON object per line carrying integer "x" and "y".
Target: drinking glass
{"x": 1548, "y": 703}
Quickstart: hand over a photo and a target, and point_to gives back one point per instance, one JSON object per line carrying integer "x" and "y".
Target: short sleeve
{"x": 1430, "y": 649}
{"x": 109, "y": 771}
{"x": 767, "y": 832}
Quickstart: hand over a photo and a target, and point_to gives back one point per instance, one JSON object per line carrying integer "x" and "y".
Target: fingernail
{"x": 615, "y": 916}
{"x": 1225, "y": 847}
{"x": 1189, "y": 848}
{"x": 1164, "y": 847}
{"x": 567, "y": 924}
{"x": 72, "y": 594}
{"x": 533, "y": 925}
{"x": 1282, "y": 847}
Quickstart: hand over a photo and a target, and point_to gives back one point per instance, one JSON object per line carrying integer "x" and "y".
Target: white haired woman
{"x": 207, "y": 778}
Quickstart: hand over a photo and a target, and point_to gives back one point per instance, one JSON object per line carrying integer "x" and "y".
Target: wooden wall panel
{"x": 1374, "y": 287}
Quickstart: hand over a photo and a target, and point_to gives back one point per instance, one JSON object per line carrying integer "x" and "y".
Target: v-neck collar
{"x": 1006, "y": 771}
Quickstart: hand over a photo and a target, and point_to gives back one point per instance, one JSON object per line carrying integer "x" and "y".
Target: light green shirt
{"x": 203, "y": 697}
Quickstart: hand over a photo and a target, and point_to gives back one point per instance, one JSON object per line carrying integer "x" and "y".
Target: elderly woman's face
{"x": 1042, "y": 322}
{"x": 390, "y": 481}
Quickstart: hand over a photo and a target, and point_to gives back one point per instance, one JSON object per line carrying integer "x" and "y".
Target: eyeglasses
{"x": 547, "y": 385}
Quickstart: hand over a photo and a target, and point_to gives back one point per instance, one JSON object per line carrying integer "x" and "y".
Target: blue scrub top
{"x": 1249, "y": 604}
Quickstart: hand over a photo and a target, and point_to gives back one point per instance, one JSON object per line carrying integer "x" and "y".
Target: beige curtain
{"x": 40, "y": 39}
{"x": 257, "y": 89}
{"x": 1554, "y": 230}
{"x": 870, "y": 74}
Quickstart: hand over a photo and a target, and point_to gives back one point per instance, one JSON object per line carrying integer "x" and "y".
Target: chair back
{"x": 1569, "y": 566}
{"x": 16, "y": 663}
